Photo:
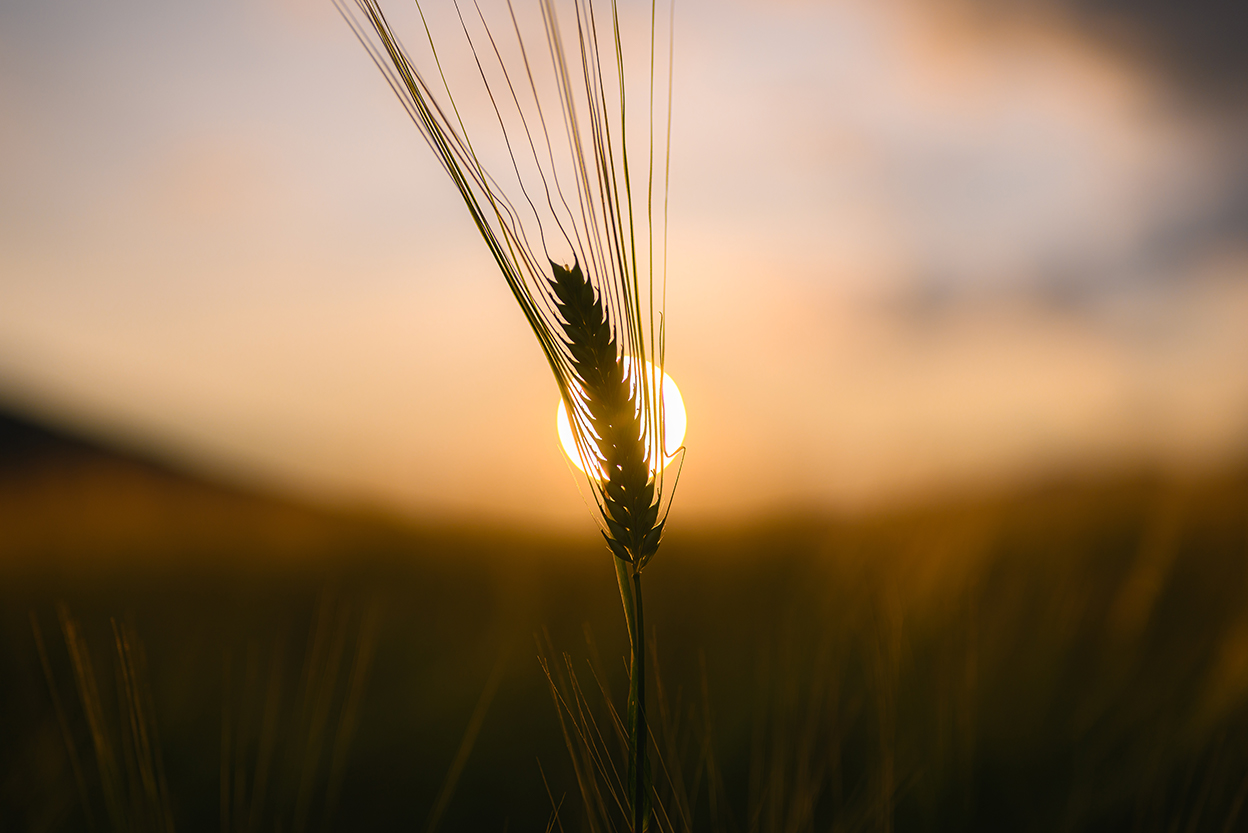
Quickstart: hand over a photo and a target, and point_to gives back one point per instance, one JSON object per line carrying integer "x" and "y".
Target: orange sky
{"x": 909, "y": 248}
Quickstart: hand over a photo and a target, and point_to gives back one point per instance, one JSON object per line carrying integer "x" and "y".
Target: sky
{"x": 913, "y": 247}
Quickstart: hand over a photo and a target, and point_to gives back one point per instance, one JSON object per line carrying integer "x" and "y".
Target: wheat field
{"x": 1067, "y": 656}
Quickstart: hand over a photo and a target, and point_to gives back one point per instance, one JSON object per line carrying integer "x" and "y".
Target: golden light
{"x": 674, "y": 423}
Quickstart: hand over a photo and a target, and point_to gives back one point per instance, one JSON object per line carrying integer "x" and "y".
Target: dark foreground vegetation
{"x": 176, "y": 655}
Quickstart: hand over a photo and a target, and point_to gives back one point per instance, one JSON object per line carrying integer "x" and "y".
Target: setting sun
{"x": 674, "y": 423}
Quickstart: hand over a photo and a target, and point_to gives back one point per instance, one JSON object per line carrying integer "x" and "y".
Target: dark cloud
{"x": 1204, "y": 42}
{"x": 1223, "y": 223}
{"x": 1170, "y": 257}
{"x": 1200, "y": 44}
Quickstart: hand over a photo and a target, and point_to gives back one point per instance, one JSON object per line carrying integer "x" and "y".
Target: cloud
{"x": 1199, "y": 43}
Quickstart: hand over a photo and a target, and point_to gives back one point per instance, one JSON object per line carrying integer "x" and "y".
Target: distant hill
{"x": 70, "y": 499}
{"x": 67, "y": 497}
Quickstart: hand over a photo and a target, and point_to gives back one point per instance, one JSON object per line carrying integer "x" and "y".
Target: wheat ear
{"x": 610, "y": 400}
{"x": 629, "y": 505}
{"x": 589, "y": 326}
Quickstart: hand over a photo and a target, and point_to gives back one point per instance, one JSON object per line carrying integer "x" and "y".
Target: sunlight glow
{"x": 674, "y": 422}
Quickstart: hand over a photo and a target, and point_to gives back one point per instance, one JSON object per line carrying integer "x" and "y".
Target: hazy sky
{"x": 913, "y": 246}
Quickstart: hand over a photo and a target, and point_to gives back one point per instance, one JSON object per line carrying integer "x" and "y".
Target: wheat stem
{"x": 590, "y": 324}
{"x": 639, "y": 765}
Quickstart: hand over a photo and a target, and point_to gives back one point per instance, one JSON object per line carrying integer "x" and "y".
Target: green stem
{"x": 639, "y": 727}
{"x": 623, "y": 574}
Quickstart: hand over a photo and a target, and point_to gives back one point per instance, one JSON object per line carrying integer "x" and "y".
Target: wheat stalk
{"x": 595, "y": 320}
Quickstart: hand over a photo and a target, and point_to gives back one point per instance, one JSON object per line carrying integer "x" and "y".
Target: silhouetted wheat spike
{"x": 629, "y": 506}
{"x": 630, "y": 509}
{"x": 600, "y": 328}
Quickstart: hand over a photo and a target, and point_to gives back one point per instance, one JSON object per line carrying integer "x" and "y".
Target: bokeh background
{"x": 958, "y": 303}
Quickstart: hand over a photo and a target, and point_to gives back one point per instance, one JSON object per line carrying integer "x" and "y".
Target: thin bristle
{"x": 596, "y": 220}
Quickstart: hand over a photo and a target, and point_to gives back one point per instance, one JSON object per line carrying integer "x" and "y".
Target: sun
{"x": 674, "y": 423}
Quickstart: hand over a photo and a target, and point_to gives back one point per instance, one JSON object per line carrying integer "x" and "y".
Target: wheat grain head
{"x": 591, "y": 316}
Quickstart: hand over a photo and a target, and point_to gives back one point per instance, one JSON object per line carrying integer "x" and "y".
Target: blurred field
{"x": 1069, "y": 656}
